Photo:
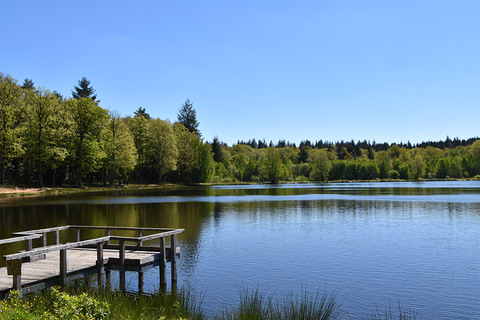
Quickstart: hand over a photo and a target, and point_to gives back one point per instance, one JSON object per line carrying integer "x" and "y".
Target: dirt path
{"x": 16, "y": 190}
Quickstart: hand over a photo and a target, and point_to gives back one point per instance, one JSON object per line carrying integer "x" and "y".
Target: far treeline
{"x": 46, "y": 139}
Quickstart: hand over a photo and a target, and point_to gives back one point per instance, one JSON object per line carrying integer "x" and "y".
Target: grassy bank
{"x": 89, "y": 303}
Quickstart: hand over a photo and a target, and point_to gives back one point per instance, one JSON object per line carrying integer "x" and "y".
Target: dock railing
{"x": 14, "y": 261}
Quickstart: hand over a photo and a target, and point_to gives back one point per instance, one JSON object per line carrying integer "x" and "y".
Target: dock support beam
{"x": 99, "y": 264}
{"x": 121, "y": 249}
{"x": 173, "y": 259}
{"x": 63, "y": 267}
{"x": 140, "y": 282}
{"x": 162, "y": 265}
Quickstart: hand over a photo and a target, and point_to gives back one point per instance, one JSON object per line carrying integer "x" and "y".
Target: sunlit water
{"x": 373, "y": 244}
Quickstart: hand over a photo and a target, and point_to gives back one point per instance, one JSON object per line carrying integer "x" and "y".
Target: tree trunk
{"x": 2, "y": 173}
{"x": 53, "y": 177}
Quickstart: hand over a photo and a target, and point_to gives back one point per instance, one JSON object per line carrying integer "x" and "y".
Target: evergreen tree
{"x": 187, "y": 116}
{"x": 84, "y": 90}
{"x": 28, "y": 84}
{"x": 217, "y": 150}
{"x": 141, "y": 112}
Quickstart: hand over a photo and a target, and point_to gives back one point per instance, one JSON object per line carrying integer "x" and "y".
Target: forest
{"x": 49, "y": 140}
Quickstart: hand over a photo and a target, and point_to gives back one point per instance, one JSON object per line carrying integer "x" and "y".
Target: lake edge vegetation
{"x": 49, "y": 140}
{"x": 93, "y": 303}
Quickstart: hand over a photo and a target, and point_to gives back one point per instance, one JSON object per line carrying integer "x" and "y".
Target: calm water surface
{"x": 373, "y": 244}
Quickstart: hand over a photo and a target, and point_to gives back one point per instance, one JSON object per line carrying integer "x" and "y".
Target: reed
{"x": 255, "y": 305}
{"x": 93, "y": 303}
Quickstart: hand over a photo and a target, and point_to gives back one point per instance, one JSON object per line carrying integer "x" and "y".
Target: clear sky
{"x": 384, "y": 70}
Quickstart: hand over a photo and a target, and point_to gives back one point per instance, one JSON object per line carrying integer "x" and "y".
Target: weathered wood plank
{"x": 38, "y": 231}
{"x": 18, "y": 239}
{"x": 54, "y": 248}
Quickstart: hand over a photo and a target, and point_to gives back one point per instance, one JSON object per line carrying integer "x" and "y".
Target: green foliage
{"x": 162, "y": 146}
{"x": 84, "y": 90}
{"x": 205, "y": 163}
{"x": 28, "y": 84}
{"x": 45, "y": 137}
{"x": 272, "y": 167}
{"x": 321, "y": 164}
{"x": 417, "y": 167}
{"x": 12, "y": 106}
{"x": 89, "y": 123}
{"x": 255, "y": 305}
{"x": 81, "y": 306}
{"x": 121, "y": 151}
{"x": 188, "y": 117}
{"x": 187, "y": 143}
{"x": 217, "y": 150}
{"x": 44, "y": 130}
{"x": 53, "y": 305}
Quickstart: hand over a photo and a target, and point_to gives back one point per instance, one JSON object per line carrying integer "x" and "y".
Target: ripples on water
{"x": 373, "y": 244}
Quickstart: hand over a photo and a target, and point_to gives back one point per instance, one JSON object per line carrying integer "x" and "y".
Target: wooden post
{"x": 107, "y": 278}
{"x": 44, "y": 239}
{"x": 107, "y": 234}
{"x": 139, "y": 235}
{"x": 140, "y": 282}
{"x": 14, "y": 268}
{"x": 17, "y": 282}
{"x": 57, "y": 236}
{"x": 28, "y": 245}
{"x": 173, "y": 259}
{"x": 100, "y": 263}
{"x": 63, "y": 267}
{"x": 121, "y": 249}
{"x": 162, "y": 264}
{"x": 77, "y": 234}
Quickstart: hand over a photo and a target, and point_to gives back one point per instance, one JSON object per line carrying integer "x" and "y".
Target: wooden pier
{"x": 50, "y": 265}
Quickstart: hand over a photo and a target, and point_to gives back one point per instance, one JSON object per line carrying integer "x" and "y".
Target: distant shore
{"x": 18, "y": 191}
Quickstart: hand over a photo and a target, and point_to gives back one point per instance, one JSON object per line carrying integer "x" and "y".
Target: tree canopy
{"x": 84, "y": 90}
{"x": 187, "y": 116}
{"x": 47, "y": 140}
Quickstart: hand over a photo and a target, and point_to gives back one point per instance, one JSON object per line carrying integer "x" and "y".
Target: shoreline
{"x": 18, "y": 191}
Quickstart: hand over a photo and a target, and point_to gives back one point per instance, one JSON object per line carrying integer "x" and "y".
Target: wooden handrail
{"x": 122, "y": 228}
{"x": 58, "y": 247}
{"x": 37, "y": 231}
{"x": 149, "y": 237}
{"x": 18, "y": 239}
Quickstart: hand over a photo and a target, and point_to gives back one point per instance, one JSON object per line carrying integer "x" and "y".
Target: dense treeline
{"x": 49, "y": 140}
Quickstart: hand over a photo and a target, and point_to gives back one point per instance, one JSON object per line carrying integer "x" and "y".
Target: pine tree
{"x": 217, "y": 150}
{"x": 141, "y": 112}
{"x": 188, "y": 117}
{"x": 84, "y": 90}
{"x": 28, "y": 84}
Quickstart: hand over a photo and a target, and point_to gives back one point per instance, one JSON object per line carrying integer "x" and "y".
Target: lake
{"x": 416, "y": 244}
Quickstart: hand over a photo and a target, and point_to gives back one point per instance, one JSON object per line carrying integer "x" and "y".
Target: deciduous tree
{"x": 121, "y": 151}
{"x": 89, "y": 122}
{"x": 11, "y": 116}
{"x": 163, "y": 147}
{"x": 44, "y": 131}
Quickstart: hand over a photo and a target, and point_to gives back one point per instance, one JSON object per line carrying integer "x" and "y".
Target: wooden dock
{"x": 46, "y": 266}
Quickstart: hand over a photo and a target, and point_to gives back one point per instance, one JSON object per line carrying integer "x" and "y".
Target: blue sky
{"x": 389, "y": 71}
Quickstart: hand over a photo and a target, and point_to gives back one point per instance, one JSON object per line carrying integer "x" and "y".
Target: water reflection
{"x": 372, "y": 242}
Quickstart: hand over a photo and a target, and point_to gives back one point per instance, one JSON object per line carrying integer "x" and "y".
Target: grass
{"x": 97, "y": 304}
{"x": 255, "y": 305}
